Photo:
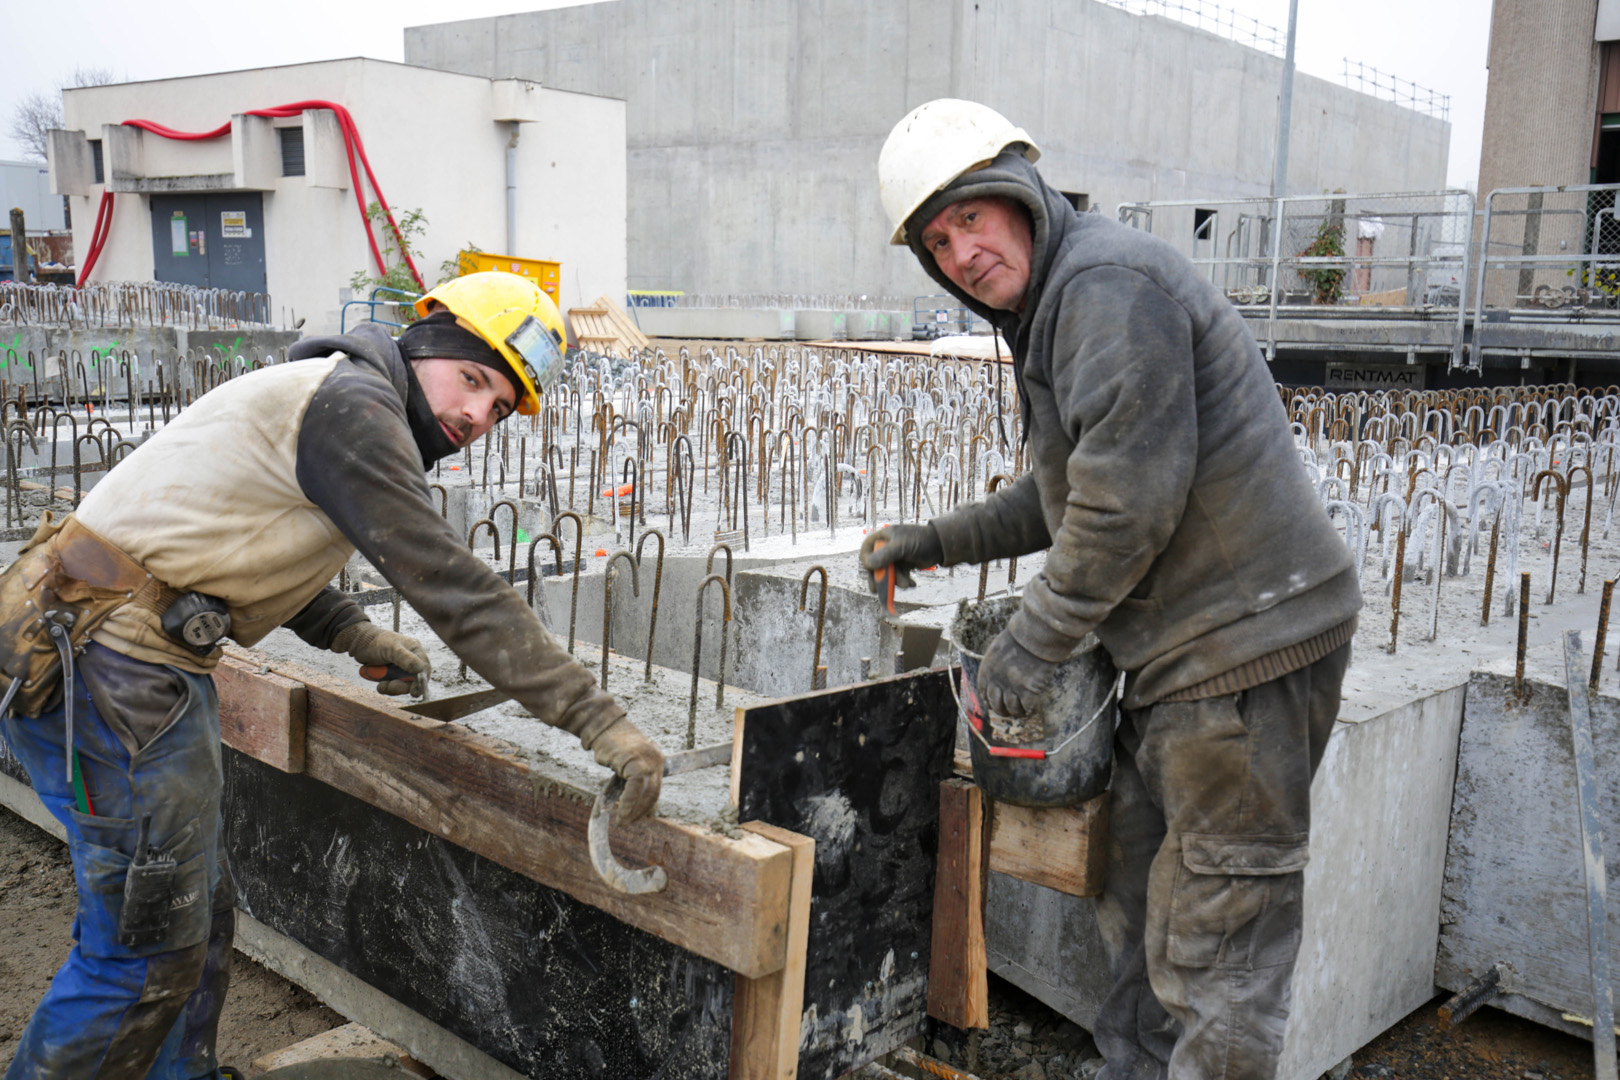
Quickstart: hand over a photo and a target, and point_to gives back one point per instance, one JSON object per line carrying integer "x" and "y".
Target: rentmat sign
{"x": 1373, "y": 377}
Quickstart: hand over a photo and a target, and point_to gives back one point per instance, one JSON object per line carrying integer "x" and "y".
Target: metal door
{"x": 212, "y": 240}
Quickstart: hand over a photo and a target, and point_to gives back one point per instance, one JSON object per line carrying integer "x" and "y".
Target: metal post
{"x": 1279, "y": 213}
{"x": 1479, "y": 287}
{"x": 511, "y": 191}
{"x": 1580, "y": 723}
{"x": 1462, "y": 292}
{"x": 1285, "y": 107}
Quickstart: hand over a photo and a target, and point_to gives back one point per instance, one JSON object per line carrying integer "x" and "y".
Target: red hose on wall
{"x": 352, "y": 146}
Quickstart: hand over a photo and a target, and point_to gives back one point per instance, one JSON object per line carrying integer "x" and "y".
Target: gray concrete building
{"x": 1552, "y": 94}
{"x": 754, "y": 125}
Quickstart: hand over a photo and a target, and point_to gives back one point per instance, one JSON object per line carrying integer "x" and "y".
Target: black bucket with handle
{"x": 1060, "y": 756}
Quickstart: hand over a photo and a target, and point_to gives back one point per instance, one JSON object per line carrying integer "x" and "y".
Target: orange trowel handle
{"x": 885, "y": 579}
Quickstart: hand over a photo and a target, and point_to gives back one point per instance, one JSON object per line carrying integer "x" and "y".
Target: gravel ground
{"x": 264, "y": 1012}
{"x": 1028, "y": 1041}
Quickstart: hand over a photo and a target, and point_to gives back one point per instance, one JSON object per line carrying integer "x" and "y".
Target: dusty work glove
{"x": 1012, "y": 679}
{"x": 905, "y": 547}
{"x": 623, "y": 748}
{"x": 375, "y": 647}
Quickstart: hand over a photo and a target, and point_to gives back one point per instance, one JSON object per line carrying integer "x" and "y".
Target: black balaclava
{"x": 440, "y": 337}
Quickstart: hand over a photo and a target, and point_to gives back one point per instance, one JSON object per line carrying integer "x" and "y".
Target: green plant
{"x": 1327, "y": 282}
{"x": 412, "y": 224}
{"x": 452, "y": 267}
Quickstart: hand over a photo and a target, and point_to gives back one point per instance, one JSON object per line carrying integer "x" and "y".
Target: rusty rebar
{"x": 1602, "y": 633}
{"x": 1395, "y": 592}
{"x": 1524, "y": 635}
{"x": 697, "y": 652}
{"x": 607, "y": 602}
{"x": 821, "y": 619}
{"x": 579, "y": 540}
{"x": 658, "y": 582}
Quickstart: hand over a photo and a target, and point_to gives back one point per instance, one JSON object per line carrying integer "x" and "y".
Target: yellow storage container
{"x": 547, "y": 275}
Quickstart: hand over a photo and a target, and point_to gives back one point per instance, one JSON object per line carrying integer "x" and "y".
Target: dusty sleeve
{"x": 358, "y": 463}
{"x": 1004, "y": 525}
{"x": 324, "y": 616}
{"x": 1124, "y": 381}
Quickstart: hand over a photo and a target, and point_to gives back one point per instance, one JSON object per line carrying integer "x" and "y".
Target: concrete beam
{"x": 326, "y": 163}
{"x": 73, "y": 167}
{"x": 255, "y": 153}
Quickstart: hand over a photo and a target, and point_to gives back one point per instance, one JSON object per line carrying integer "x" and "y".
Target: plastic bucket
{"x": 1064, "y": 753}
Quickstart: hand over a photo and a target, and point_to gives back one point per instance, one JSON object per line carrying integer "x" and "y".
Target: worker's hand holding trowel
{"x": 396, "y": 662}
{"x": 889, "y": 555}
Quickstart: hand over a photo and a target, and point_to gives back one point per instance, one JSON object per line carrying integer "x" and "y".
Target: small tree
{"x": 1327, "y": 282}
{"x": 36, "y": 113}
{"x": 412, "y": 224}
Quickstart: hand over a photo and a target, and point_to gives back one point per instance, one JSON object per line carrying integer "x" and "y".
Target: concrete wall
{"x": 1541, "y": 95}
{"x": 754, "y": 127}
{"x": 1380, "y": 811}
{"x": 26, "y": 184}
{"x": 434, "y": 143}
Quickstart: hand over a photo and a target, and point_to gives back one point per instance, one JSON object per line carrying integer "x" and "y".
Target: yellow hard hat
{"x": 516, "y": 318}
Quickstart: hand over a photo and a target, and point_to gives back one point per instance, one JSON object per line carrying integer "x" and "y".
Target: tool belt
{"x": 65, "y": 576}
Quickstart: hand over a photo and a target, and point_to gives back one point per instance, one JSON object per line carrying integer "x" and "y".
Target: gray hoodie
{"x": 1164, "y": 478}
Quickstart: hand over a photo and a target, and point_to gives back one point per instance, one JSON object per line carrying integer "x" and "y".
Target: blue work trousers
{"x": 144, "y": 1002}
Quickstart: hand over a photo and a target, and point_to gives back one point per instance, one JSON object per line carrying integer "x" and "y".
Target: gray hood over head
{"x": 1010, "y": 176}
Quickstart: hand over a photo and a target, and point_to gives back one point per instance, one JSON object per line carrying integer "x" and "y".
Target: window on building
{"x": 1203, "y": 224}
{"x": 95, "y": 160}
{"x": 292, "y": 150}
{"x": 1078, "y": 199}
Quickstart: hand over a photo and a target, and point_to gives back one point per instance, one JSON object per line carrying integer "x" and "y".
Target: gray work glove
{"x": 1011, "y": 678}
{"x": 905, "y": 547}
{"x": 623, "y": 748}
{"x": 377, "y": 648}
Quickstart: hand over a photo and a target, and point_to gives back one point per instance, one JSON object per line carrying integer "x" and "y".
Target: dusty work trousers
{"x": 1201, "y": 916}
{"x": 121, "y": 1010}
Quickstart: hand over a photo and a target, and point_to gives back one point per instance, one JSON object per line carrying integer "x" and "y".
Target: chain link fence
{"x": 1546, "y": 250}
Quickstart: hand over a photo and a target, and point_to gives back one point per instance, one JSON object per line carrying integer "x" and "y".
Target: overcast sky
{"x": 1439, "y": 44}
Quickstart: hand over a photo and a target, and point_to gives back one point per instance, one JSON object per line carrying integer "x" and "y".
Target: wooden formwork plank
{"x": 1063, "y": 848}
{"x": 351, "y": 1041}
{"x": 621, "y": 321}
{"x": 766, "y": 1013}
{"x": 727, "y": 899}
{"x": 958, "y": 969}
{"x": 261, "y": 714}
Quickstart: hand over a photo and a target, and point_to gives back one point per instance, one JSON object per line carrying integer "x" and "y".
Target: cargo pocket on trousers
{"x": 102, "y": 873}
{"x": 1236, "y": 900}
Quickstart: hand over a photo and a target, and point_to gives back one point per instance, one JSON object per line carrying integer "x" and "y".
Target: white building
{"x": 269, "y": 206}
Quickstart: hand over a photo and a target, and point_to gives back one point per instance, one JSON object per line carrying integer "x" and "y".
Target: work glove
{"x": 375, "y": 647}
{"x": 1012, "y": 679}
{"x": 623, "y": 748}
{"x": 905, "y": 547}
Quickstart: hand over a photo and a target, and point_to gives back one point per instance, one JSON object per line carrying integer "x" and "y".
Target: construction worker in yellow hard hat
{"x": 513, "y": 316}
{"x": 231, "y": 521}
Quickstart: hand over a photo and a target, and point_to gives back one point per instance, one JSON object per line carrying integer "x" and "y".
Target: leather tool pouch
{"x": 63, "y": 567}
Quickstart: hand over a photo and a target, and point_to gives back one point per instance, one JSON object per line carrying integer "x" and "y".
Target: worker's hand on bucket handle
{"x": 375, "y": 647}
{"x": 904, "y": 547}
{"x": 623, "y": 748}
{"x": 1012, "y": 679}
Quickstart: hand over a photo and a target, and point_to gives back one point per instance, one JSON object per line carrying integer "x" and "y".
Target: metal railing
{"x": 1393, "y": 88}
{"x": 400, "y": 307}
{"x": 1218, "y": 20}
{"x": 1401, "y": 253}
{"x": 1546, "y": 250}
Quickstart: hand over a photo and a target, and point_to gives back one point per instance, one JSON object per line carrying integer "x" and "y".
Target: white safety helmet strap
{"x": 936, "y": 143}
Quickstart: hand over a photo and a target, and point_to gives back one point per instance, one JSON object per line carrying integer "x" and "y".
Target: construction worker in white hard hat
{"x": 231, "y": 521}
{"x": 1179, "y": 527}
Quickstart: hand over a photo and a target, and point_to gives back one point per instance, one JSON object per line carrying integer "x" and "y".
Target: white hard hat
{"x": 933, "y": 145}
